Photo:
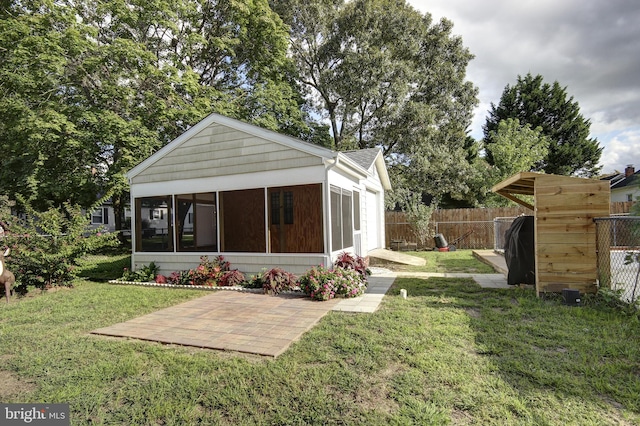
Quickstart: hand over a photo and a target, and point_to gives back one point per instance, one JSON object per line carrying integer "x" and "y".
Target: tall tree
{"x": 385, "y": 75}
{"x": 91, "y": 88}
{"x": 43, "y": 156}
{"x": 547, "y": 106}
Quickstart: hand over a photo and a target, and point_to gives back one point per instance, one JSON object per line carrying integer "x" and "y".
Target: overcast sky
{"x": 591, "y": 47}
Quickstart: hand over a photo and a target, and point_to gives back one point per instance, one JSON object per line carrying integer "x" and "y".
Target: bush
{"x": 277, "y": 280}
{"x": 321, "y": 283}
{"x": 232, "y": 278}
{"x": 356, "y": 263}
{"x": 46, "y": 247}
{"x": 142, "y": 275}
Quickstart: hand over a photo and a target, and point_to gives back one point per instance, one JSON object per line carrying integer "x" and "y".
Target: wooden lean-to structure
{"x": 565, "y": 233}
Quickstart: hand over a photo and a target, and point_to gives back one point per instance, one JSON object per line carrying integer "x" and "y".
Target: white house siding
{"x": 373, "y": 220}
{"x": 219, "y": 151}
{"x": 249, "y": 264}
{"x": 623, "y": 194}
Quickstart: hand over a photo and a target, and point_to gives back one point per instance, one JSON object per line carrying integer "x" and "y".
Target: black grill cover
{"x": 519, "y": 251}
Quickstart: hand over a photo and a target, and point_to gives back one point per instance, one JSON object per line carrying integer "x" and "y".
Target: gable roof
{"x": 631, "y": 180}
{"x": 360, "y": 161}
{"x": 367, "y": 158}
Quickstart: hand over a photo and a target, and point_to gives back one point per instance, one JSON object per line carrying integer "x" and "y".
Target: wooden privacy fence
{"x": 474, "y": 227}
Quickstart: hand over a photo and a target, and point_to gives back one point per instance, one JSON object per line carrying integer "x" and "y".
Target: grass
{"x": 451, "y": 353}
{"x": 453, "y": 261}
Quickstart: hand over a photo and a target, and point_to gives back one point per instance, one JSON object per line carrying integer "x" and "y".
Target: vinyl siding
{"x": 220, "y": 151}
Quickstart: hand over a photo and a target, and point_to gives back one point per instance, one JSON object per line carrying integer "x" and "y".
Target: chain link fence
{"x": 500, "y": 227}
{"x": 618, "y": 247}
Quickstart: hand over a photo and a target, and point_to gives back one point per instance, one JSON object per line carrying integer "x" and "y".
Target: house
{"x": 259, "y": 198}
{"x": 624, "y": 186}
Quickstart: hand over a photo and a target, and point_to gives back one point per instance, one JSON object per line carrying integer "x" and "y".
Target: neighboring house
{"x": 625, "y": 186}
{"x": 260, "y": 198}
{"x": 104, "y": 217}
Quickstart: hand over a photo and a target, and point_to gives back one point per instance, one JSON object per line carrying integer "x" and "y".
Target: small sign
{"x": 34, "y": 414}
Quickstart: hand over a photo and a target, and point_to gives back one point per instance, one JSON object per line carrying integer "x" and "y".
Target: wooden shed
{"x": 564, "y": 230}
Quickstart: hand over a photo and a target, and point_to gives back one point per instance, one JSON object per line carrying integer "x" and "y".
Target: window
{"x": 154, "y": 229}
{"x": 282, "y": 207}
{"x": 100, "y": 216}
{"x": 629, "y": 197}
{"x": 341, "y": 218}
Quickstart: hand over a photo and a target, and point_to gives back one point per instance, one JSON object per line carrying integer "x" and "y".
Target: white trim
{"x": 302, "y": 176}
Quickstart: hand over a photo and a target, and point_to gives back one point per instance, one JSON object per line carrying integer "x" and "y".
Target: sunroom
{"x": 256, "y": 197}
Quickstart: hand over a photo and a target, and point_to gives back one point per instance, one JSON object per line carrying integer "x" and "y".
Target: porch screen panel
{"x": 242, "y": 221}
{"x": 296, "y": 219}
{"x": 347, "y": 219}
{"x": 336, "y": 219}
{"x": 196, "y": 222}
{"x": 153, "y": 224}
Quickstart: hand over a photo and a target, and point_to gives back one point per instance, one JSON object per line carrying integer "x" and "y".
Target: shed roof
{"x": 360, "y": 160}
{"x": 523, "y": 183}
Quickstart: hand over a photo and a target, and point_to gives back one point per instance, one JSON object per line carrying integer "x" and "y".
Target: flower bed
{"x": 347, "y": 279}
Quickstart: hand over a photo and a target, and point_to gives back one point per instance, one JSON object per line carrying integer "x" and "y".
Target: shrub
{"x": 255, "y": 281}
{"x": 276, "y": 280}
{"x": 210, "y": 272}
{"x": 321, "y": 283}
{"x": 232, "y": 278}
{"x": 47, "y": 246}
{"x": 356, "y": 263}
{"x": 318, "y": 283}
{"x": 146, "y": 273}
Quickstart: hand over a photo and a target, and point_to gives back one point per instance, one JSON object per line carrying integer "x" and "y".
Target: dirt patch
{"x": 474, "y": 312}
{"x": 11, "y": 385}
{"x": 374, "y": 393}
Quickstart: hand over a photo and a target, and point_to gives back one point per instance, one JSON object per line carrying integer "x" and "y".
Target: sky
{"x": 591, "y": 47}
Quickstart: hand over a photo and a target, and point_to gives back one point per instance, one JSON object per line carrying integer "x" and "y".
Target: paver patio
{"x": 255, "y": 323}
{"x": 228, "y": 320}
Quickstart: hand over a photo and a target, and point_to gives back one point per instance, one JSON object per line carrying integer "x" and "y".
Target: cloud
{"x": 589, "y": 46}
{"x": 621, "y": 149}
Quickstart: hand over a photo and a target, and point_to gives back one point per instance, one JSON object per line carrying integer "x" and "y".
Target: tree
{"x": 384, "y": 75}
{"x": 91, "y": 88}
{"x": 43, "y": 156}
{"x": 544, "y": 105}
{"x": 514, "y": 149}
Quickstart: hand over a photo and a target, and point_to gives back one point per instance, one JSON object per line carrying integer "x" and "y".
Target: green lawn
{"x": 453, "y": 261}
{"x": 452, "y": 353}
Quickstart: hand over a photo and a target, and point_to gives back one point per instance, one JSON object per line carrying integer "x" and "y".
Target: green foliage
{"x": 210, "y": 272}
{"x": 144, "y": 274}
{"x": 385, "y": 75}
{"x": 418, "y": 215}
{"x": 47, "y": 247}
{"x": 91, "y": 88}
{"x": 548, "y": 107}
